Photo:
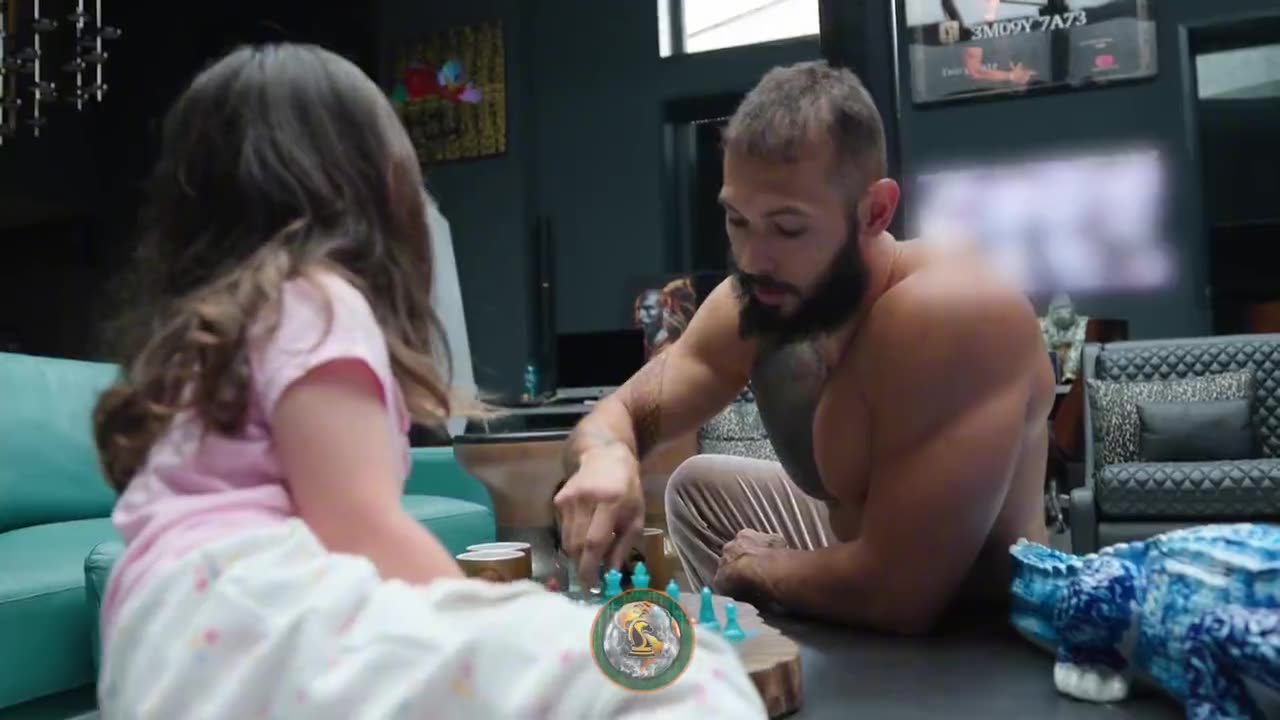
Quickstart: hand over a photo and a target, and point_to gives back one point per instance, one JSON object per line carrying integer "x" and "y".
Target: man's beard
{"x": 836, "y": 299}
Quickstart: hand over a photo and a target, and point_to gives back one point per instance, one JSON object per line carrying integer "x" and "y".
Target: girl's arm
{"x": 333, "y": 435}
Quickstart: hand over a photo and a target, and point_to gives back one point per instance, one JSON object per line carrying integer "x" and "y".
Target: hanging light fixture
{"x": 27, "y": 87}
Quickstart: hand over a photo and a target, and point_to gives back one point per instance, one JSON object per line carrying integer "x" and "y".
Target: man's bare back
{"x": 906, "y": 392}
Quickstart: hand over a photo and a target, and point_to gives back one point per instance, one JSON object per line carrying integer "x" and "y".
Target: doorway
{"x": 694, "y": 126}
{"x": 1237, "y": 106}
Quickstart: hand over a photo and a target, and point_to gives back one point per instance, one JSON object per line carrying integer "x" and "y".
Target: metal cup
{"x": 523, "y": 548}
{"x": 495, "y": 565}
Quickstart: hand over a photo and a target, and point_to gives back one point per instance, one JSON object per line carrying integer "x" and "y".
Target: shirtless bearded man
{"x": 906, "y": 392}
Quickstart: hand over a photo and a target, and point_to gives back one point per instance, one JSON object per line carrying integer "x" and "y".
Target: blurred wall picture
{"x": 1087, "y": 223}
{"x": 970, "y": 48}
{"x": 663, "y": 307}
{"x": 450, "y": 92}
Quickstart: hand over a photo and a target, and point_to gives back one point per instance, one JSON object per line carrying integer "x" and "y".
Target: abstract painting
{"x": 450, "y": 92}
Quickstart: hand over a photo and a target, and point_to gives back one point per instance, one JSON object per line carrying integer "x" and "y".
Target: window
{"x": 693, "y": 26}
{"x": 1240, "y": 73}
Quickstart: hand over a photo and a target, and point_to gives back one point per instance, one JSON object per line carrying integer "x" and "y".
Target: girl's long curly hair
{"x": 277, "y": 161}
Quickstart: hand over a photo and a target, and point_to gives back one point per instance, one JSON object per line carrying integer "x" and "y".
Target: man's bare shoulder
{"x": 717, "y": 318}
{"x": 713, "y": 337}
{"x": 950, "y": 326}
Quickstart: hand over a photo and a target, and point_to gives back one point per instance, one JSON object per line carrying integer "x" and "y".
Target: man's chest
{"x": 821, "y": 431}
{"x": 842, "y": 437}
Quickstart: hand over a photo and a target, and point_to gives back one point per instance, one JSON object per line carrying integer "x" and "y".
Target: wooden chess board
{"x": 770, "y": 657}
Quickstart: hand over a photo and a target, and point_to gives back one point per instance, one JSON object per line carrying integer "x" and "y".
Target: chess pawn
{"x": 640, "y": 576}
{"x": 673, "y": 590}
{"x": 612, "y": 584}
{"x": 707, "y": 613}
{"x": 733, "y": 632}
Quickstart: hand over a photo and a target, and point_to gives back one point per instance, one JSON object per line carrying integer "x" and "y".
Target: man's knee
{"x": 692, "y": 474}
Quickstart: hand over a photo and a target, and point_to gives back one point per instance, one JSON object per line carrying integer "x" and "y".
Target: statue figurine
{"x": 1064, "y": 334}
{"x": 1196, "y": 612}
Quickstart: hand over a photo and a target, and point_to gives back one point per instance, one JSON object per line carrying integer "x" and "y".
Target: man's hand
{"x": 1019, "y": 74}
{"x": 601, "y": 511}
{"x": 741, "y": 574}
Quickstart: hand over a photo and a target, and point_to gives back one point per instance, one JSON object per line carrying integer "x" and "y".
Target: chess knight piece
{"x": 1064, "y": 334}
{"x": 641, "y": 639}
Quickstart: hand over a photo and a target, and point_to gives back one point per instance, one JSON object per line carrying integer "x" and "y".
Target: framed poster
{"x": 450, "y": 91}
{"x": 663, "y": 306}
{"x": 962, "y": 49}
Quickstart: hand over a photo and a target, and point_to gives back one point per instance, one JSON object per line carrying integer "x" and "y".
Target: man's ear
{"x": 878, "y": 206}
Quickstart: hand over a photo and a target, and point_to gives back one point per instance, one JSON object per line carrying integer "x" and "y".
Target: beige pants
{"x": 711, "y": 497}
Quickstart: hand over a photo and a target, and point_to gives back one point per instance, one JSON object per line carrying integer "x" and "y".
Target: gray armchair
{"x": 1135, "y": 498}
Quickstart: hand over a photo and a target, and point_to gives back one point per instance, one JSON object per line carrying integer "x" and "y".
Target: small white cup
{"x": 523, "y": 547}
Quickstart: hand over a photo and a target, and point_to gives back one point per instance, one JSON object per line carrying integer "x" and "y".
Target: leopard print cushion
{"x": 1114, "y": 406}
{"x": 737, "y": 431}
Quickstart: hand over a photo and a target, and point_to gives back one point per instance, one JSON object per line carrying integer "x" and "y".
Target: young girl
{"x": 282, "y": 341}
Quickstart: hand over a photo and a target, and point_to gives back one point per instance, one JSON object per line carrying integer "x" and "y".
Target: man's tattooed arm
{"x": 587, "y": 436}
{"x": 630, "y": 417}
{"x": 644, "y": 400}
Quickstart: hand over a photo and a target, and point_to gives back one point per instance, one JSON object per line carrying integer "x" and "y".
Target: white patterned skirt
{"x": 271, "y": 625}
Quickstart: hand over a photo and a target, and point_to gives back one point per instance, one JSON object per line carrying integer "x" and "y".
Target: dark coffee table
{"x": 983, "y": 670}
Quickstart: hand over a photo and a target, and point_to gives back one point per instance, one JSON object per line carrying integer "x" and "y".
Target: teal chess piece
{"x": 640, "y": 576}
{"x": 733, "y": 632}
{"x": 673, "y": 590}
{"x": 612, "y": 584}
{"x": 707, "y": 614}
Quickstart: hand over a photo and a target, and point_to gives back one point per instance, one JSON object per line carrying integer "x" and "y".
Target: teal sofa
{"x": 57, "y": 545}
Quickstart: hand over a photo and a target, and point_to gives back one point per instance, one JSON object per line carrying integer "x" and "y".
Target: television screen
{"x": 1074, "y": 224}
{"x": 598, "y": 359}
{"x": 967, "y": 48}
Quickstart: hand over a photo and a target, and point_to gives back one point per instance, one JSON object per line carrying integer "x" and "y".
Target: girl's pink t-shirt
{"x": 199, "y": 487}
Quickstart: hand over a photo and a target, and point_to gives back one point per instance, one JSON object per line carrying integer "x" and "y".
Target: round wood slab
{"x": 771, "y": 658}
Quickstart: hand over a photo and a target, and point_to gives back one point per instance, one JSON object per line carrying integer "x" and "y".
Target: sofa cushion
{"x": 1197, "y": 431}
{"x": 457, "y": 523}
{"x": 48, "y": 462}
{"x": 44, "y": 619}
{"x": 1194, "y": 357}
{"x": 435, "y": 471}
{"x": 1113, "y": 406}
{"x": 1220, "y": 490}
{"x": 737, "y": 431}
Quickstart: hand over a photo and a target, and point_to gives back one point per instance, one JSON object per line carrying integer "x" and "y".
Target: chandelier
{"x": 49, "y": 58}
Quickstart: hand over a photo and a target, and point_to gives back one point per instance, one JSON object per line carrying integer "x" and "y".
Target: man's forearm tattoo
{"x": 580, "y": 440}
{"x": 645, "y": 403}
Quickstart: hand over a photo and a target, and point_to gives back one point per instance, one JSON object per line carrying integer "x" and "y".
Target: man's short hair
{"x": 794, "y": 105}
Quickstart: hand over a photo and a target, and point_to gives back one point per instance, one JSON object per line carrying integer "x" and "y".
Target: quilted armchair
{"x": 1134, "y": 496}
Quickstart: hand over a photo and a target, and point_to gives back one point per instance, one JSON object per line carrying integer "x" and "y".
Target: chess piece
{"x": 673, "y": 590}
{"x": 707, "y": 614}
{"x": 640, "y": 576}
{"x": 733, "y": 632}
{"x": 612, "y": 584}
